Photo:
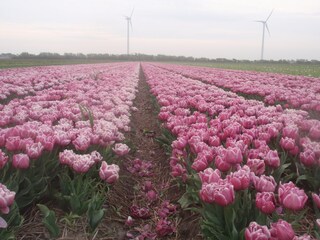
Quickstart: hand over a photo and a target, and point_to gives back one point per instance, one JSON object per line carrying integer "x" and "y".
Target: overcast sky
{"x": 198, "y": 28}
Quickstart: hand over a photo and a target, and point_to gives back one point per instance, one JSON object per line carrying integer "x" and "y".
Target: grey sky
{"x": 203, "y": 28}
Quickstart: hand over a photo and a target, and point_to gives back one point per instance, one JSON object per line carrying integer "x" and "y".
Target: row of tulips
{"x": 59, "y": 142}
{"x": 294, "y": 91}
{"x": 248, "y": 166}
{"x": 20, "y": 82}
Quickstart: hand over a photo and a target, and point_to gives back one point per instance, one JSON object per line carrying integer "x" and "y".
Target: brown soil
{"x": 145, "y": 129}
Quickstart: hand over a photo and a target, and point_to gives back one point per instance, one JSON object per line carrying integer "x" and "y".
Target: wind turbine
{"x": 129, "y": 23}
{"x": 264, "y": 27}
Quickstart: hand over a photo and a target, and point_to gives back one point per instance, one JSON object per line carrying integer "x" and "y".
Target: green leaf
{"x": 95, "y": 218}
{"x": 50, "y": 220}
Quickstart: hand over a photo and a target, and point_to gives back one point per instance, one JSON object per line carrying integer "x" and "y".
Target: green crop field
{"x": 304, "y": 69}
{"x": 12, "y": 63}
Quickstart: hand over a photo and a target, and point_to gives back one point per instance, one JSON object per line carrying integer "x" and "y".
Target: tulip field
{"x": 243, "y": 147}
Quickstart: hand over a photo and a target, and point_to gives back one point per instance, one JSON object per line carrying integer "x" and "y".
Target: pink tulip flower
{"x": 20, "y": 161}
{"x": 316, "y": 199}
{"x": 308, "y": 158}
{"x": 13, "y": 143}
{"x": 272, "y": 159}
{"x": 264, "y": 183}
{"x": 266, "y": 202}
{"x": 282, "y": 230}
{"x": 221, "y": 164}
{"x": 287, "y": 143}
{"x": 34, "y": 150}
{"x": 209, "y": 175}
{"x": 6, "y": 199}
{"x": 109, "y": 173}
{"x": 240, "y": 179}
{"x": 291, "y": 197}
{"x": 233, "y": 155}
{"x": 256, "y": 165}
{"x": 3, "y": 159}
{"x": 221, "y": 193}
{"x": 257, "y": 232}
{"x": 121, "y": 149}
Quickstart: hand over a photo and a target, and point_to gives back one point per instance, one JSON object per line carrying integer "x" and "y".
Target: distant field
{"x": 12, "y": 63}
{"x": 311, "y": 69}
{"x": 305, "y": 69}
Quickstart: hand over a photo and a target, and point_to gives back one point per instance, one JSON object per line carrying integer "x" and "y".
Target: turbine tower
{"x": 264, "y": 27}
{"x": 129, "y": 23}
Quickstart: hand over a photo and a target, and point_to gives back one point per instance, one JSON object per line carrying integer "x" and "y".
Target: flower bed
{"x": 53, "y": 142}
{"x": 249, "y": 169}
{"x": 298, "y": 92}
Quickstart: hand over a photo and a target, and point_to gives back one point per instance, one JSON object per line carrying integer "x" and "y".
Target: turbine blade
{"x": 131, "y": 24}
{"x": 269, "y": 15}
{"x": 268, "y": 29}
{"x": 259, "y": 21}
{"x": 131, "y": 13}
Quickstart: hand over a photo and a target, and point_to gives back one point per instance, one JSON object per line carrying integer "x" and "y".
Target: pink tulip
{"x": 287, "y": 143}
{"x": 220, "y": 192}
{"x": 308, "y": 158}
{"x": 314, "y": 132}
{"x": 257, "y": 232}
{"x": 256, "y": 165}
{"x": 233, "y": 155}
{"x": 266, "y": 202}
{"x": 81, "y": 163}
{"x": 96, "y": 156}
{"x": 316, "y": 199}
{"x": 200, "y": 163}
{"x": 214, "y": 141}
{"x": 178, "y": 170}
{"x": 291, "y": 197}
{"x": 290, "y": 132}
{"x": 180, "y": 143}
{"x": 240, "y": 179}
{"x": 209, "y": 175}
{"x": 82, "y": 142}
{"x": 282, "y": 230}
{"x": 13, "y": 143}
{"x": 221, "y": 164}
{"x": 121, "y": 149}
{"x": 34, "y": 150}
{"x": 6, "y": 199}
{"x": 47, "y": 141}
{"x": 264, "y": 183}
{"x": 109, "y": 173}
{"x": 62, "y": 139}
{"x": 20, "y": 161}
{"x": 272, "y": 159}
{"x": 3, "y": 159}
{"x": 67, "y": 157}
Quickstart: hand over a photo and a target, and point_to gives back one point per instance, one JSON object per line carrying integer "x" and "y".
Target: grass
{"x": 13, "y": 63}
{"x": 304, "y": 69}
